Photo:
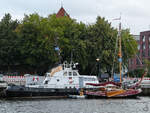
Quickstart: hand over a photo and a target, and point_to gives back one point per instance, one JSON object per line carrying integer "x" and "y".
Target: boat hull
{"x": 130, "y": 93}
{"x": 22, "y": 91}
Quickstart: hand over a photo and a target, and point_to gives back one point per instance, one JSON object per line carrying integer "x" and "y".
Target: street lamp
{"x": 99, "y": 71}
{"x": 97, "y": 59}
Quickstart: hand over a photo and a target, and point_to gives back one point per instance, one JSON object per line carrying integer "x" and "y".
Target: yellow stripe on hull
{"x": 114, "y": 93}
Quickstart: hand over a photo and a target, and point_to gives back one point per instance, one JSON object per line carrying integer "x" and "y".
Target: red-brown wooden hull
{"x": 103, "y": 94}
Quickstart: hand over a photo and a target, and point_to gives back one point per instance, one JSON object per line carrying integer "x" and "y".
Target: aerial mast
{"x": 120, "y": 53}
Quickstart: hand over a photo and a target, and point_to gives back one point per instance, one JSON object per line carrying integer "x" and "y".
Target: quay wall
{"x": 23, "y": 80}
{"x": 18, "y": 80}
{"x": 145, "y": 90}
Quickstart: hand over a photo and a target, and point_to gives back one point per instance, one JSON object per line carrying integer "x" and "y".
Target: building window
{"x": 138, "y": 47}
{"x": 143, "y": 61}
{"x": 143, "y": 38}
{"x": 138, "y": 53}
{"x": 132, "y": 62}
{"x": 148, "y": 52}
{"x": 149, "y": 45}
{"x": 143, "y": 45}
{"x": 143, "y": 53}
{"x": 137, "y": 61}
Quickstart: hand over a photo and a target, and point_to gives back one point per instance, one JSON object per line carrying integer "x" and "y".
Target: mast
{"x": 120, "y": 52}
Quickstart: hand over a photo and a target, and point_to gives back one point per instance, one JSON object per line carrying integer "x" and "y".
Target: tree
{"x": 129, "y": 46}
{"x": 8, "y": 41}
{"x": 36, "y": 44}
{"x": 31, "y": 43}
{"x": 70, "y": 38}
{"x": 102, "y": 44}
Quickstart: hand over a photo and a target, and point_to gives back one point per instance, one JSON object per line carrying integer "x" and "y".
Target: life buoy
{"x": 35, "y": 79}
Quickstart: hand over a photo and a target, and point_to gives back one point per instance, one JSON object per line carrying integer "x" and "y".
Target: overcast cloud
{"x": 135, "y": 13}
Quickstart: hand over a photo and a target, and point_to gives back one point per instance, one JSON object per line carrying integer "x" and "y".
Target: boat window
{"x": 46, "y": 82}
{"x": 74, "y": 74}
{"x": 89, "y": 79}
{"x": 65, "y": 73}
{"x": 57, "y": 80}
{"x": 70, "y": 73}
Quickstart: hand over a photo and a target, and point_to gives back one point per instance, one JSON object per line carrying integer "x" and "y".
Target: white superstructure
{"x": 66, "y": 76}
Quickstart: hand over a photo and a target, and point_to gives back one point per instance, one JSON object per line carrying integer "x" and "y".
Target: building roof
{"x": 62, "y": 13}
{"x": 136, "y": 37}
{"x": 148, "y": 31}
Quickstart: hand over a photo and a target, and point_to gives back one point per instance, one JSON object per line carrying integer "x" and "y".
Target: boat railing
{"x": 70, "y": 65}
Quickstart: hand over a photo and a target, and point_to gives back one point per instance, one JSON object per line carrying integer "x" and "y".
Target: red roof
{"x": 62, "y": 13}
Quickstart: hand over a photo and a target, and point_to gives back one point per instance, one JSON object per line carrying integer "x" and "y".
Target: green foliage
{"x": 8, "y": 41}
{"x": 129, "y": 46}
{"x": 140, "y": 72}
{"x": 36, "y": 43}
{"x": 31, "y": 43}
{"x": 101, "y": 44}
{"x": 136, "y": 73}
{"x": 147, "y": 66}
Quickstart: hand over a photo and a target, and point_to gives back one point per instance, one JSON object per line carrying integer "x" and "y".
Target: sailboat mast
{"x": 120, "y": 52}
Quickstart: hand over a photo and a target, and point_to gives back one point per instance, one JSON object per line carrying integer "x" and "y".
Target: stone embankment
{"x": 145, "y": 89}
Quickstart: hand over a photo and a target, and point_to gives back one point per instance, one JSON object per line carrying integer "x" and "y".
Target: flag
{"x": 56, "y": 48}
{"x": 120, "y": 59}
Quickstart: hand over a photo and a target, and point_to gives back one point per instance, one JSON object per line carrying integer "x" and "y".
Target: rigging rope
{"x": 135, "y": 53}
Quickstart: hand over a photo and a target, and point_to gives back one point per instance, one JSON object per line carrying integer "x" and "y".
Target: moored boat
{"x": 113, "y": 89}
{"x": 63, "y": 80}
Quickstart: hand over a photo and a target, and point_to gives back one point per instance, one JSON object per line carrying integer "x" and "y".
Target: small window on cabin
{"x": 70, "y": 73}
{"x": 65, "y": 73}
{"x": 94, "y": 79}
{"x": 74, "y": 74}
{"x": 46, "y": 82}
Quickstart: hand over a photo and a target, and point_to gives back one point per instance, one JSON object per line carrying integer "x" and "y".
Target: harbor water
{"x": 139, "y": 105}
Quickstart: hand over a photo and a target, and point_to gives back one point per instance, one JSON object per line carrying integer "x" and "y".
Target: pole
{"x": 99, "y": 70}
{"x": 120, "y": 53}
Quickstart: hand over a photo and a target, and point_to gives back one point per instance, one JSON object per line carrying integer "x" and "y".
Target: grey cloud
{"x": 135, "y": 13}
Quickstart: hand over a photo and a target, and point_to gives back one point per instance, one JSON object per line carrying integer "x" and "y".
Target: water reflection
{"x": 140, "y": 105}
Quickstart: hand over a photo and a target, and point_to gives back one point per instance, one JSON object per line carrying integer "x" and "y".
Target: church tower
{"x": 62, "y": 13}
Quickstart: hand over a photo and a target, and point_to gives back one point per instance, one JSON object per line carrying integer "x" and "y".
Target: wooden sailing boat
{"x": 112, "y": 89}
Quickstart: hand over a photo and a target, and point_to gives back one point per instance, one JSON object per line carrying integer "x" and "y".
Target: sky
{"x": 135, "y": 14}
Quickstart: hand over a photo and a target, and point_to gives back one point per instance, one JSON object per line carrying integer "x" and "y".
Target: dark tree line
{"x": 29, "y": 44}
